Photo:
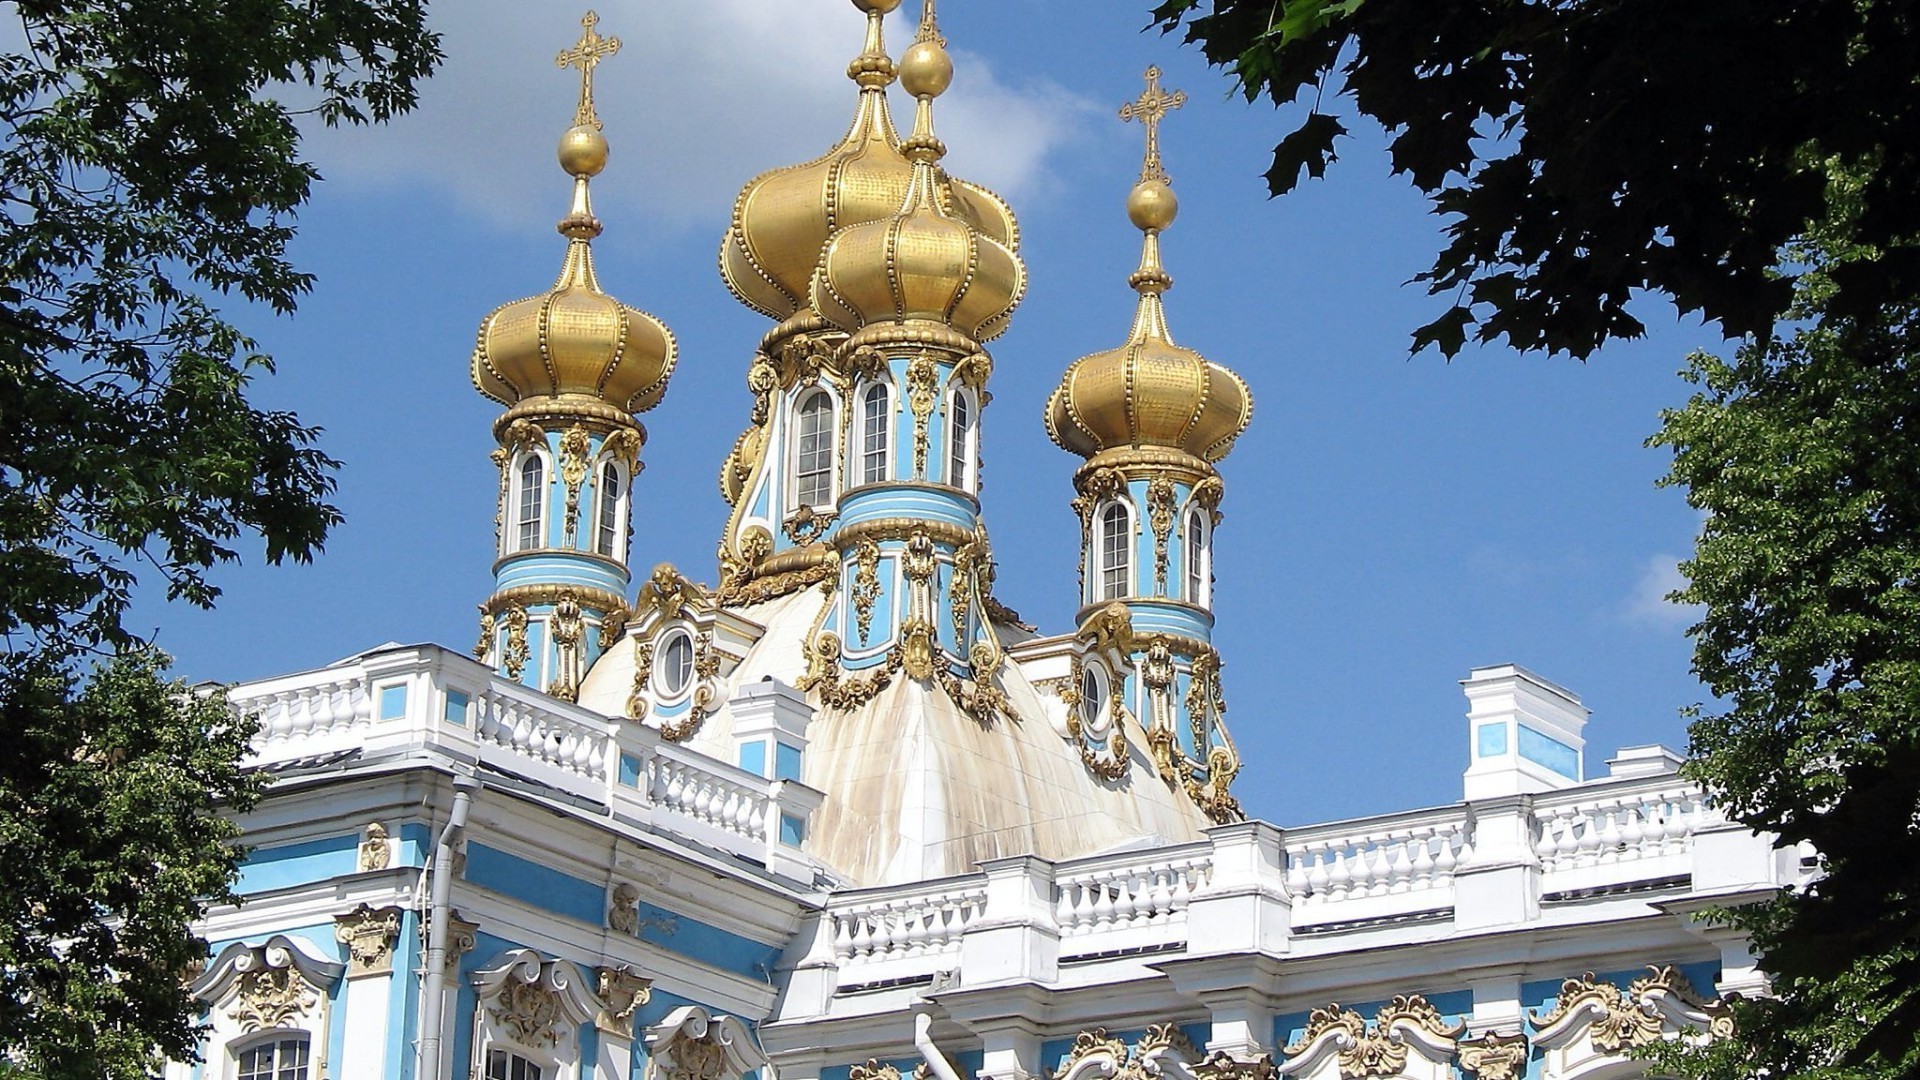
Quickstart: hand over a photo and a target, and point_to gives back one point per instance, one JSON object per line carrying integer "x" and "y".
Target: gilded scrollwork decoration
{"x": 922, "y": 391}
{"x": 1494, "y": 1056}
{"x": 575, "y": 445}
{"x": 866, "y": 586}
{"x": 1362, "y": 1051}
{"x": 1161, "y": 500}
{"x": 514, "y": 656}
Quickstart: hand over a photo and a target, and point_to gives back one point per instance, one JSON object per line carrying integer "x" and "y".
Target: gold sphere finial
{"x": 583, "y": 151}
{"x": 876, "y": 7}
{"x": 926, "y": 70}
{"x": 1152, "y": 206}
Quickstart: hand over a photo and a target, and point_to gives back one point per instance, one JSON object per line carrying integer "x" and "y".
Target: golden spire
{"x": 1149, "y": 391}
{"x": 575, "y": 339}
{"x": 925, "y": 72}
{"x": 586, "y": 55}
{"x": 1150, "y": 108}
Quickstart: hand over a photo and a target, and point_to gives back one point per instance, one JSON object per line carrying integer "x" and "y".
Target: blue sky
{"x": 1392, "y": 521}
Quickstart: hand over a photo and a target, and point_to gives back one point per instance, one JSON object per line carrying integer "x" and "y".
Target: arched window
{"x": 1198, "y": 574}
{"x": 873, "y": 435}
{"x": 531, "y": 503}
{"x": 283, "y": 1055}
{"x": 608, "y": 539}
{"x": 813, "y": 451}
{"x": 507, "y": 1065}
{"x": 1116, "y": 553}
{"x": 959, "y": 439}
{"x": 674, "y": 670}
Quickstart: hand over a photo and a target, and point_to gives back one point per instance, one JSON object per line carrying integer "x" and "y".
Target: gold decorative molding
{"x": 1494, "y": 1056}
{"x": 1221, "y": 1065}
{"x": 1365, "y": 1051}
{"x": 621, "y": 991}
{"x": 575, "y": 444}
{"x": 514, "y": 656}
{"x": 642, "y": 673}
{"x": 901, "y": 528}
{"x": 485, "y": 644}
{"x": 369, "y": 934}
{"x": 569, "y": 632}
{"x": 525, "y": 596}
{"x": 806, "y": 525}
{"x": 922, "y": 390}
{"x": 866, "y": 585}
{"x": 1161, "y": 496}
{"x": 669, "y": 593}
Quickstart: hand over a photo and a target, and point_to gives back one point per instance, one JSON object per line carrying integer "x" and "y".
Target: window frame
{"x": 1197, "y": 557}
{"x": 610, "y": 494}
{"x": 518, "y": 539}
{"x": 272, "y": 1037}
{"x": 663, "y": 689}
{"x": 962, "y": 438}
{"x": 1105, "y": 566}
{"x": 798, "y": 473}
{"x": 870, "y": 447}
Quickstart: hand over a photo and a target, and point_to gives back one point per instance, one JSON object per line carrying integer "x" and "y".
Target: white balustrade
{"x": 697, "y": 790}
{"x": 1587, "y": 840}
{"x": 1377, "y": 868}
{"x": 904, "y": 927}
{"x": 1105, "y": 905}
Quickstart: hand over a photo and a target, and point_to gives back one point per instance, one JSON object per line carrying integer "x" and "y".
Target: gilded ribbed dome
{"x": 784, "y": 217}
{"x": 574, "y": 338}
{"x": 923, "y": 262}
{"x": 1149, "y": 391}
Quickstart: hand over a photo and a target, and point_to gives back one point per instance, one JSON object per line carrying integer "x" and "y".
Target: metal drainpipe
{"x": 434, "y": 986}
{"x": 923, "y": 1042}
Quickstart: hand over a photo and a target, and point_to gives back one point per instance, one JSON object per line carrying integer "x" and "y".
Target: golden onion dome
{"x": 1150, "y": 391}
{"x": 784, "y": 217}
{"x": 923, "y": 263}
{"x": 574, "y": 339}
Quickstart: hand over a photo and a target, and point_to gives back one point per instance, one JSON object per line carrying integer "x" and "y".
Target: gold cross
{"x": 586, "y": 55}
{"x": 1150, "y": 108}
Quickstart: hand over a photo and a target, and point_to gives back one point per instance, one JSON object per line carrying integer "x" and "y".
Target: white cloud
{"x": 1647, "y": 603}
{"x": 704, "y": 95}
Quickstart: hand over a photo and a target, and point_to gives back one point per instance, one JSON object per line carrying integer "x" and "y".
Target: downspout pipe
{"x": 923, "y": 1042}
{"x": 433, "y": 989}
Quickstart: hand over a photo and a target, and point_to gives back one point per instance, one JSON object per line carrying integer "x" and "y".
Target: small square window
{"x": 393, "y": 702}
{"x": 457, "y": 703}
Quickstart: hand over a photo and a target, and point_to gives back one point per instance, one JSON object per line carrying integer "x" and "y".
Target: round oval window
{"x": 676, "y": 664}
{"x": 1093, "y": 693}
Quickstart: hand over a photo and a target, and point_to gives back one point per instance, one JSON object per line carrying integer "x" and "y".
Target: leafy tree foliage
{"x": 1802, "y": 453}
{"x": 1583, "y": 150}
{"x": 105, "y": 806}
{"x": 149, "y": 171}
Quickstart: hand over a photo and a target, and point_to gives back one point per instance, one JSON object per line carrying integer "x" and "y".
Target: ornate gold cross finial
{"x": 930, "y": 24}
{"x": 1150, "y": 108}
{"x": 586, "y": 55}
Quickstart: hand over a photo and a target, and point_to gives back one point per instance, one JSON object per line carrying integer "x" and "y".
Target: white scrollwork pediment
{"x": 1594, "y": 1024}
{"x": 533, "y": 1000}
{"x": 1408, "y": 1038}
{"x": 279, "y": 983}
{"x": 693, "y": 1044}
{"x": 1163, "y": 1053}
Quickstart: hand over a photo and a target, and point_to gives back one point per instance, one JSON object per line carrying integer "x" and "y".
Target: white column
{"x": 1016, "y": 938}
{"x": 369, "y": 935}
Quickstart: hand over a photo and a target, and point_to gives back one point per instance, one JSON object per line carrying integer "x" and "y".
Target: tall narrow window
{"x": 873, "y": 435}
{"x": 1196, "y": 558}
{"x": 533, "y": 492}
{"x": 281, "y": 1059}
{"x": 1116, "y": 569}
{"x": 813, "y": 451}
{"x": 959, "y": 439}
{"x": 610, "y": 493}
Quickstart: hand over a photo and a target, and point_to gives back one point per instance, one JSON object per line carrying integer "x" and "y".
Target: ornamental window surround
{"x": 1114, "y": 551}
{"x": 504, "y": 1064}
{"x": 530, "y": 502}
{"x": 960, "y": 439}
{"x": 1198, "y": 557}
{"x": 813, "y": 450}
{"x": 876, "y": 416}
{"x": 608, "y": 526}
{"x": 1093, "y": 695}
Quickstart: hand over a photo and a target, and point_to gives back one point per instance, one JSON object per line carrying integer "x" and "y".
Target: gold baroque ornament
{"x": 873, "y": 1069}
{"x": 1379, "y": 1050}
{"x": 1090, "y": 1043}
{"x": 1668, "y": 980}
{"x": 1619, "y": 1023}
{"x": 515, "y": 656}
{"x": 272, "y": 997}
{"x": 866, "y": 585}
{"x": 485, "y": 645}
{"x": 1212, "y": 797}
{"x": 1494, "y": 1057}
{"x": 706, "y": 668}
{"x": 1208, "y": 493}
{"x": 1221, "y": 1065}
{"x": 807, "y": 524}
{"x": 569, "y": 628}
{"x": 574, "y": 446}
{"x": 1113, "y": 764}
{"x": 624, "y": 445}
{"x": 1161, "y": 497}
{"x": 917, "y": 648}
{"x": 621, "y": 992}
{"x": 369, "y": 935}
{"x": 642, "y": 674}
{"x": 922, "y": 389}
{"x": 529, "y": 1011}
{"x": 668, "y": 593}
